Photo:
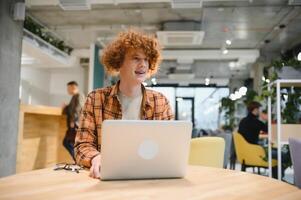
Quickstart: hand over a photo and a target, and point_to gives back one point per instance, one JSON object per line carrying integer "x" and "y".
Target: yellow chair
{"x": 250, "y": 155}
{"x": 207, "y": 151}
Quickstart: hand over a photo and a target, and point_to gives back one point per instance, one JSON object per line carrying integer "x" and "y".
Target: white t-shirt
{"x": 130, "y": 106}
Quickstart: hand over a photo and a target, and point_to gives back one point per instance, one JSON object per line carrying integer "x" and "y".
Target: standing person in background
{"x": 72, "y": 111}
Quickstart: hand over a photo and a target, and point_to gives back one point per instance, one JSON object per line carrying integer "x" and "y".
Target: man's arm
{"x": 78, "y": 108}
{"x": 264, "y": 127}
{"x": 86, "y": 138}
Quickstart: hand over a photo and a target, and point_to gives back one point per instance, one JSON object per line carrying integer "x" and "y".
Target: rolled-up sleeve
{"x": 85, "y": 146}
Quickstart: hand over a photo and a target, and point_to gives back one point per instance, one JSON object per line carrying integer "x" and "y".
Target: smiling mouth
{"x": 140, "y": 72}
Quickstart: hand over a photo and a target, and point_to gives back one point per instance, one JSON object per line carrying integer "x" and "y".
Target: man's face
{"x": 72, "y": 89}
{"x": 256, "y": 112}
{"x": 135, "y": 66}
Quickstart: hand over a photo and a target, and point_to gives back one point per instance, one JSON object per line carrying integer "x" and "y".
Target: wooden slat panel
{"x": 41, "y": 133}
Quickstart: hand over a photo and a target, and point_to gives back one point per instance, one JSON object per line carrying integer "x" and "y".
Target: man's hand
{"x": 95, "y": 167}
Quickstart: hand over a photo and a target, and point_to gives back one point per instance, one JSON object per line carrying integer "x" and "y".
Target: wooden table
{"x": 200, "y": 183}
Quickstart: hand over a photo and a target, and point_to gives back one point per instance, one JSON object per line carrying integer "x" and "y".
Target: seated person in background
{"x": 250, "y": 126}
{"x": 135, "y": 57}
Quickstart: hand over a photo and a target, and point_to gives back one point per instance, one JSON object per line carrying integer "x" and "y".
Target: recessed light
{"x": 207, "y": 81}
{"x": 179, "y": 99}
{"x": 228, "y": 42}
{"x": 225, "y": 51}
{"x": 232, "y": 64}
{"x": 154, "y": 81}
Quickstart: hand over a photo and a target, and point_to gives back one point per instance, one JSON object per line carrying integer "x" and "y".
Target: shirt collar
{"x": 146, "y": 100}
{"x": 252, "y": 115}
{"x": 115, "y": 90}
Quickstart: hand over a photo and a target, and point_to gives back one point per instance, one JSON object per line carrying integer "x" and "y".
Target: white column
{"x": 278, "y": 129}
{"x": 270, "y": 132}
{"x": 91, "y": 67}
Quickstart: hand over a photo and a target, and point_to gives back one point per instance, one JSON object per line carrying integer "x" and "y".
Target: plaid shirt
{"x": 102, "y": 104}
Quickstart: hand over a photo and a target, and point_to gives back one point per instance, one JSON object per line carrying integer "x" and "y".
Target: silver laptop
{"x": 144, "y": 149}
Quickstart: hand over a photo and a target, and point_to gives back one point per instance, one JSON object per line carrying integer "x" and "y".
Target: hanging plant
{"x": 279, "y": 64}
{"x": 44, "y": 34}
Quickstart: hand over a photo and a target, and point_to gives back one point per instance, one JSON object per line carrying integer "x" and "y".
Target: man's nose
{"x": 143, "y": 63}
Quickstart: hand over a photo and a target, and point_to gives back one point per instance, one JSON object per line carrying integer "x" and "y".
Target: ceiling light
{"x": 228, "y": 42}
{"x": 237, "y": 95}
{"x": 299, "y": 56}
{"x": 27, "y": 60}
{"x": 154, "y": 81}
{"x": 225, "y": 51}
{"x": 232, "y": 97}
{"x": 243, "y": 90}
{"x": 232, "y": 64}
{"x": 207, "y": 81}
{"x": 179, "y": 99}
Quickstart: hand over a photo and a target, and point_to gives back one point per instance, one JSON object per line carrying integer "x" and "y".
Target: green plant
{"x": 251, "y": 95}
{"x": 279, "y": 64}
{"x": 292, "y": 107}
{"x": 32, "y": 26}
{"x": 228, "y": 106}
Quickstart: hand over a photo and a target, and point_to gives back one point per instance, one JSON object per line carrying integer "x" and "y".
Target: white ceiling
{"x": 248, "y": 24}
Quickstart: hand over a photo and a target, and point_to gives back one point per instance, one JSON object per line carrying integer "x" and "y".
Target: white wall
{"x": 34, "y": 86}
{"x": 58, "y": 80}
{"x": 44, "y": 86}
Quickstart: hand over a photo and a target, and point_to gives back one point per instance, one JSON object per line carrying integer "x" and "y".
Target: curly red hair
{"x": 113, "y": 55}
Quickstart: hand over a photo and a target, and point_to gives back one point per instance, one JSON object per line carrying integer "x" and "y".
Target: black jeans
{"x": 284, "y": 159}
{"x": 69, "y": 145}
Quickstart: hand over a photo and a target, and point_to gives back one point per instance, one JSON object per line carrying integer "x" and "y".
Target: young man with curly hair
{"x": 135, "y": 57}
